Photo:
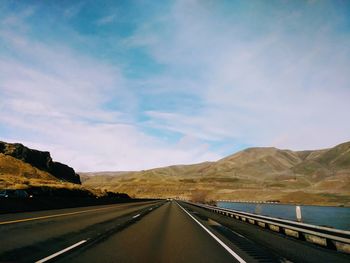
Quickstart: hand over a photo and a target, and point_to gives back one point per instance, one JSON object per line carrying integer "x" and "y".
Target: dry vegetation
{"x": 256, "y": 174}
{"x": 309, "y": 177}
{"x": 16, "y": 174}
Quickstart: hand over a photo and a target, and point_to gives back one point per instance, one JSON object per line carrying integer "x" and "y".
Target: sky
{"x": 130, "y": 85}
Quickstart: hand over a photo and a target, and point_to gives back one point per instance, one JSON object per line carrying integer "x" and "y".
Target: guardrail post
{"x": 274, "y": 228}
{"x": 298, "y": 213}
{"x": 330, "y": 244}
{"x": 301, "y": 236}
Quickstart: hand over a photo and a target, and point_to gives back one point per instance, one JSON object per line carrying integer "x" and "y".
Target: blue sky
{"x": 129, "y": 85}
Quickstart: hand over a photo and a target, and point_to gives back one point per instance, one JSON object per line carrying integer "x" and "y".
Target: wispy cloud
{"x": 64, "y": 108}
{"x": 286, "y": 79}
{"x": 54, "y": 98}
{"x": 189, "y": 81}
{"x": 106, "y": 20}
{"x": 73, "y": 10}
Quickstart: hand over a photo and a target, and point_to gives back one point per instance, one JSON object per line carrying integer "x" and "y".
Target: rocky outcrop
{"x": 40, "y": 160}
{"x": 64, "y": 172}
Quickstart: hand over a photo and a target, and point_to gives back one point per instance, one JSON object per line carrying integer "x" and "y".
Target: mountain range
{"x": 255, "y": 174}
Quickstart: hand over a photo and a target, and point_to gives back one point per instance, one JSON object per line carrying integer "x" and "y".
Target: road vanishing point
{"x": 148, "y": 231}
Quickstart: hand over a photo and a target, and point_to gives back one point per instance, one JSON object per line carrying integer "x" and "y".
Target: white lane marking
{"x": 51, "y": 216}
{"x": 60, "y": 252}
{"x": 136, "y": 216}
{"x": 229, "y": 250}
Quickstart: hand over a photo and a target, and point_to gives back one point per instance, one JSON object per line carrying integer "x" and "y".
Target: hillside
{"x": 23, "y": 168}
{"x": 310, "y": 177}
{"x": 40, "y": 160}
{"x": 51, "y": 184}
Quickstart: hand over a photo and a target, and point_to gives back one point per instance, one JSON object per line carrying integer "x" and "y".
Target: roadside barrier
{"x": 324, "y": 236}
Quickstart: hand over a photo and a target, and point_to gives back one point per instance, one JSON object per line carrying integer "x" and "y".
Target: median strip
{"x": 229, "y": 250}
{"x": 61, "y": 252}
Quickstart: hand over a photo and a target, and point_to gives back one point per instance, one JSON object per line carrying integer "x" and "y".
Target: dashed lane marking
{"x": 136, "y": 216}
{"x": 52, "y": 216}
{"x": 60, "y": 252}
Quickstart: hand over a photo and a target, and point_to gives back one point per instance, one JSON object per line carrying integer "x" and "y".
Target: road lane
{"x": 45, "y": 234}
{"x": 60, "y": 214}
{"x": 166, "y": 235}
{"x": 149, "y": 232}
{"x": 227, "y": 248}
{"x": 44, "y": 213}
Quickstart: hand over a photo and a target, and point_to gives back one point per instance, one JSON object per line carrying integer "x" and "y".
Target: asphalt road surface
{"x": 28, "y": 237}
{"x": 147, "y": 232}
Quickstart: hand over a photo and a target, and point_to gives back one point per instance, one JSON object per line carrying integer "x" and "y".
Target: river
{"x": 330, "y": 216}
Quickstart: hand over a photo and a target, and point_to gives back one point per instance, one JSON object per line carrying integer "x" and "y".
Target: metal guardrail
{"x": 327, "y": 237}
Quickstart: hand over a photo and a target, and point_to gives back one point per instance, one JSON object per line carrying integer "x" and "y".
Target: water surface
{"x": 330, "y": 216}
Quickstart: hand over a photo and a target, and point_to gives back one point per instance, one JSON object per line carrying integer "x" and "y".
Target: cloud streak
{"x": 288, "y": 82}
{"x": 193, "y": 81}
{"x": 54, "y": 98}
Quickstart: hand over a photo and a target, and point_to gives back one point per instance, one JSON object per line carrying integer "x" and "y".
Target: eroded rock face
{"x": 64, "y": 172}
{"x": 40, "y": 160}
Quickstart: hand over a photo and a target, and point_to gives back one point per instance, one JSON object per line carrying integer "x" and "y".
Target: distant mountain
{"x": 20, "y": 165}
{"x": 314, "y": 177}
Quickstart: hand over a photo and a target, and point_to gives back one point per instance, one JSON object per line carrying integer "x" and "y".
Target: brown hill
{"x": 15, "y": 173}
{"x": 40, "y": 160}
{"x": 23, "y": 168}
{"x": 314, "y": 177}
{"x": 44, "y": 184}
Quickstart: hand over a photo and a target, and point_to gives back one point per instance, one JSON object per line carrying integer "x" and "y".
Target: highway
{"x": 156, "y": 231}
